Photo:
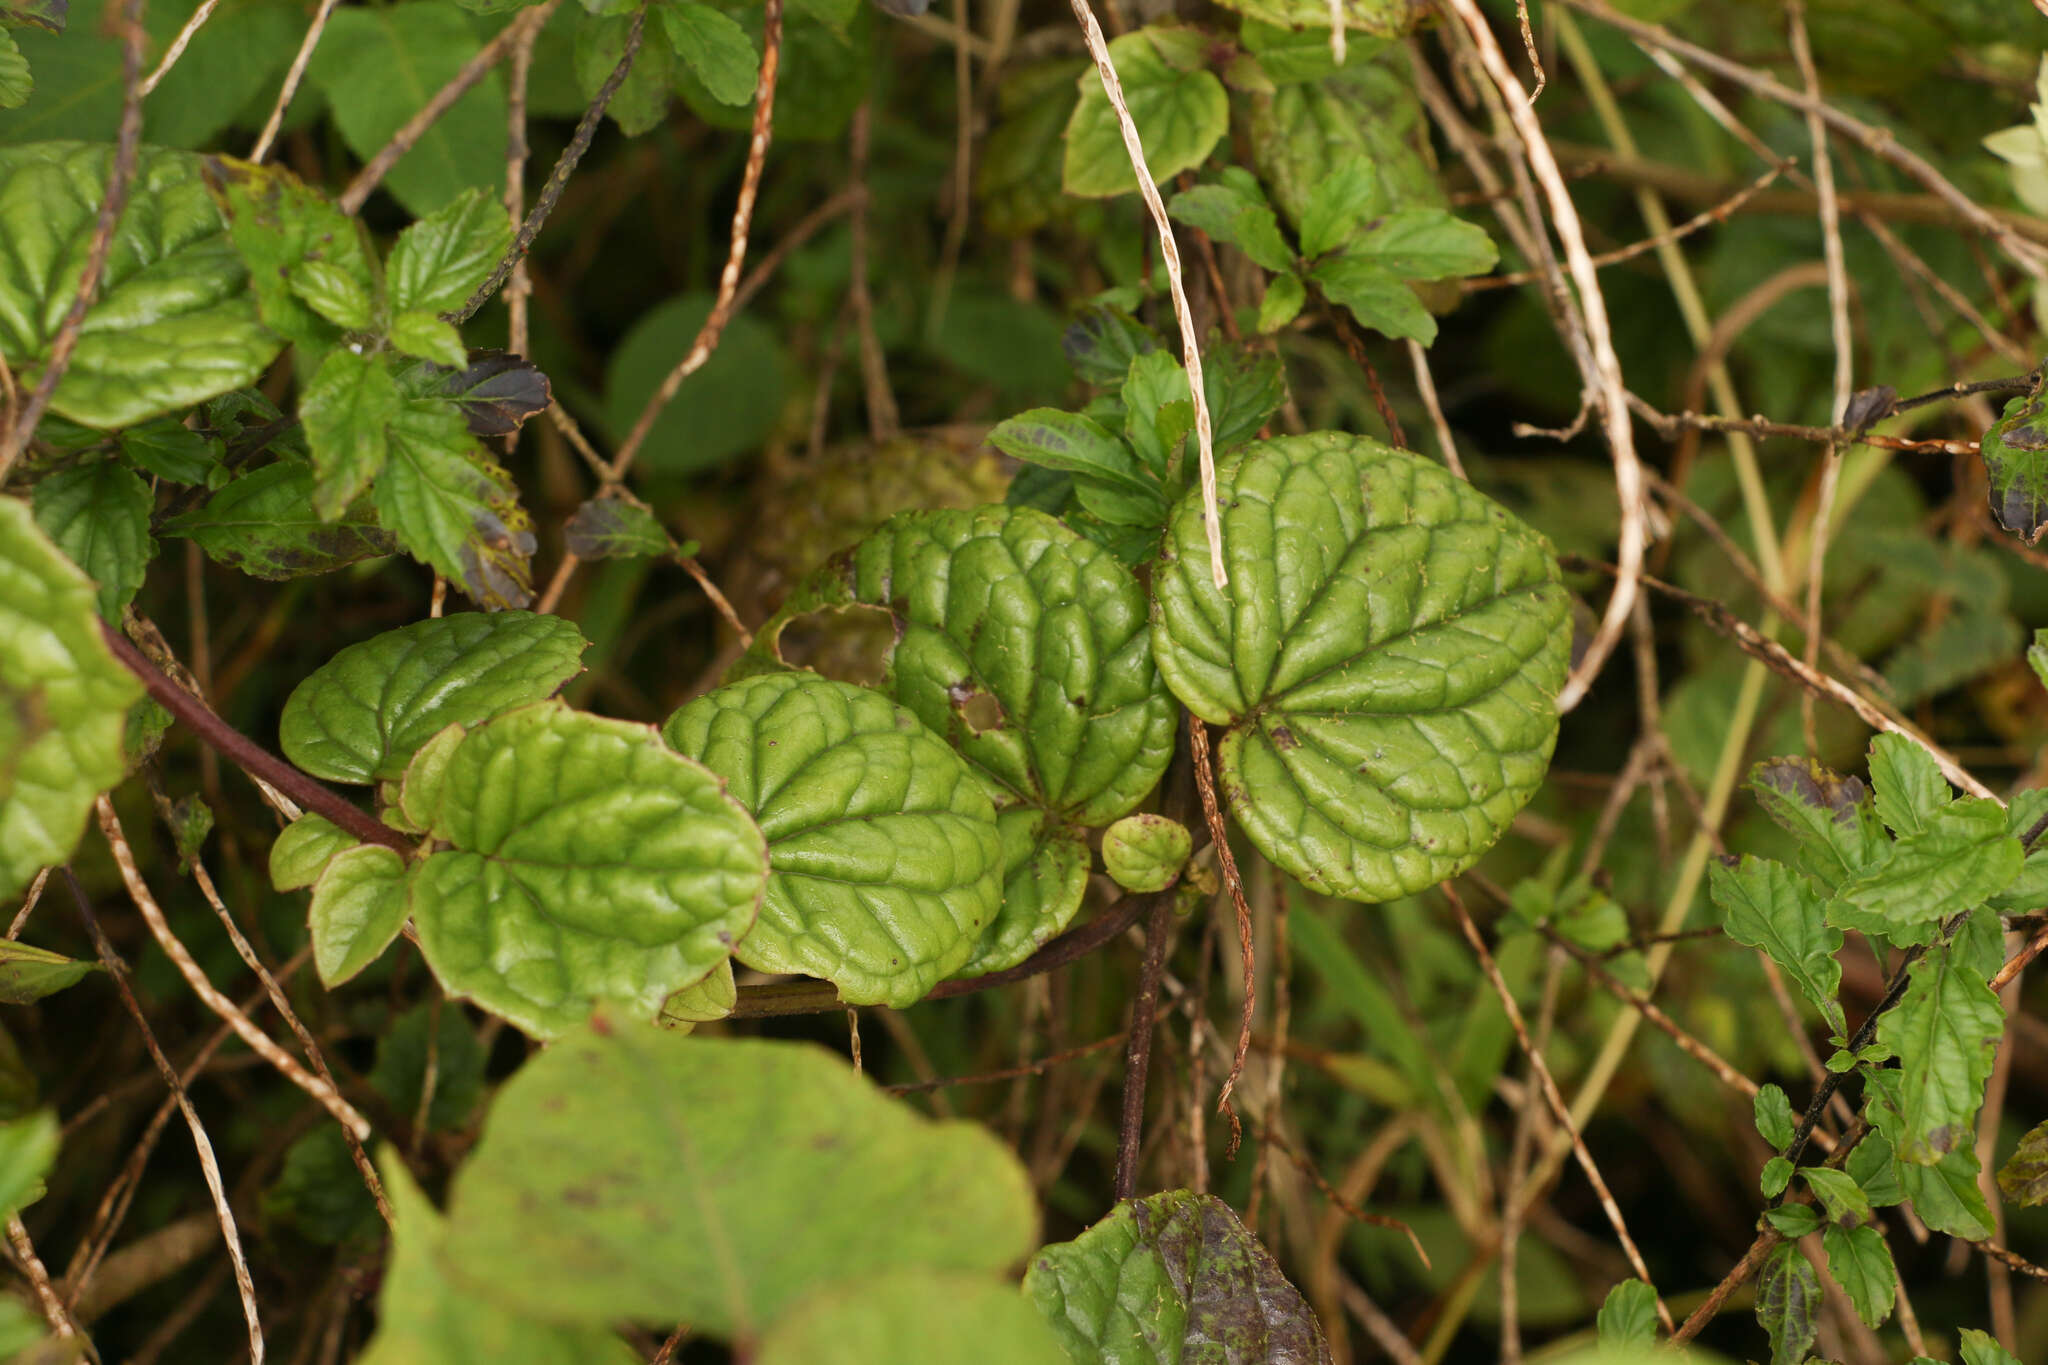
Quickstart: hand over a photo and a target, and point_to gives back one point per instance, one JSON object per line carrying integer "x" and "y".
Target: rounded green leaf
{"x": 632, "y": 1174}
{"x": 1146, "y": 852}
{"x": 1178, "y": 104}
{"x": 590, "y": 862}
{"x": 98, "y": 514}
{"x": 63, "y": 701}
{"x": 1386, "y": 659}
{"x": 173, "y": 323}
{"x": 1045, "y": 875}
{"x": 1026, "y": 646}
{"x": 362, "y": 715}
{"x": 885, "y": 860}
{"x": 359, "y": 905}
{"x": 954, "y": 1319}
{"x": 301, "y": 852}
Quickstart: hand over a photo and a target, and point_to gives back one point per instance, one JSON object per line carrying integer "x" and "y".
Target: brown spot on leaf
{"x": 1283, "y": 739}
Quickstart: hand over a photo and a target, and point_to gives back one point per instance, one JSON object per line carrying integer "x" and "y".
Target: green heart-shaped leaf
{"x": 886, "y": 863}
{"x": 1386, "y": 659}
{"x": 591, "y": 862}
{"x": 359, "y": 905}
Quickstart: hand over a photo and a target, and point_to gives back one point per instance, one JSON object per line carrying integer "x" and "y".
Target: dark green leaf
{"x": 1376, "y": 296}
{"x": 1074, "y": 444}
{"x": 1775, "y": 1176}
{"x": 1102, "y": 343}
{"x": 1769, "y": 907}
{"x": 264, "y": 524}
{"x": 1788, "y": 1301}
{"x": 98, "y": 514}
{"x": 1795, "y": 1220}
{"x": 1872, "y": 1166}
{"x": 1908, "y": 784}
{"x": 1335, "y": 208}
{"x": 1961, "y": 858}
{"x": 1831, "y": 816}
{"x": 1282, "y": 301}
{"x": 1839, "y": 1194}
{"x": 1945, "y": 1031}
{"x": 170, "y": 450}
{"x": 278, "y": 224}
{"x": 454, "y": 510}
{"x": 347, "y": 409}
{"x": 416, "y": 1046}
{"x": 644, "y": 96}
{"x": 2015, "y": 455}
{"x": 613, "y": 528}
{"x": 1245, "y": 386}
{"x": 1427, "y": 244}
{"x": 1859, "y": 1261}
{"x": 440, "y": 260}
{"x": 1946, "y": 1196}
{"x": 717, "y": 49}
{"x": 1234, "y": 210}
{"x": 496, "y": 390}
{"x": 1159, "y": 413}
{"x": 1981, "y": 1348}
{"x": 2024, "y": 1177}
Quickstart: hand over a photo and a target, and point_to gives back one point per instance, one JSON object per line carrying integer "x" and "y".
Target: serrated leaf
{"x": 362, "y": 715}
{"x": 1774, "y": 1119}
{"x": 264, "y": 525}
{"x": 1981, "y": 1348}
{"x": 454, "y": 510}
{"x": 1908, "y": 784}
{"x": 1386, "y": 660}
{"x": 173, "y": 322}
{"x": 1945, "y": 1032}
{"x": 1794, "y": 1220}
{"x": 1146, "y": 852}
{"x": 1831, "y": 816}
{"x": 279, "y": 224}
{"x": 303, "y": 849}
{"x": 1305, "y": 134}
{"x": 347, "y": 409}
{"x": 1946, "y": 1196}
{"x": 2015, "y": 455}
{"x": 613, "y": 528}
{"x": 1628, "y": 1317}
{"x": 729, "y": 1179}
{"x": 1245, "y": 386}
{"x": 359, "y": 905}
{"x": 1102, "y": 343}
{"x": 1026, "y": 647}
{"x": 425, "y": 1313}
{"x": 379, "y": 67}
{"x": 1179, "y": 107}
{"x": 1169, "y": 1278}
{"x": 1071, "y": 443}
{"x": 954, "y": 1319}
{"x": 98, "y": 515}
{"x": 496, "y": 390}
{"x": 885, "y": 860}
{"x": 334, "y": 291}
{"x": 1859, "y": 1261}
{"x": 170, "y": 450}
{"x": 1840, "y": 1196}
{"x": 63, "y": 701}
{"x": 1282, "y": 301}
{"x": 438, "y": 262}
{"x": 1427, "y": 244}
{"x": 590, "y": 863}
{"x": 716, "y": 49}
{"x": 1235, "y": 212}
{"x": 27, "y": 973}
{"x": 1775, "y": 1176}
{"x": 1335, "y": 208}
{"x": 413, "y": 1047}
{"x": 645, "y": 94}
{"x": 1961, "y": 857}
{"x": 2024, "y": 1177}
{"x": 1159, "y": 413}
{"x": 1768, "y": 907}
{"x": 17, "y": 83}
{"x": 426, "y": 336}
{"x": 1788, "y": 1302}
{"x": 1874, "y": 1170}
{"x": 1378, "y": 297}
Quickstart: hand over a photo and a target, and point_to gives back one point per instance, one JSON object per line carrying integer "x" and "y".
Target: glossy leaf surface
{"x": 359, "y": 905}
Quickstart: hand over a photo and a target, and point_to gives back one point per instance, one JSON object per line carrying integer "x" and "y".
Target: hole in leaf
{"x": 978, "y": 709}
{"x": 851, "y": 643}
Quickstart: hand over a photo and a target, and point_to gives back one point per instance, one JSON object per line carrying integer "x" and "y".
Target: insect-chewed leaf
{"x": 362, "y": 715}
{"x": 590, "y": 863}
{"x": 1386, "y": 659}
{"x": 63, "y": 701}
{"x": 1026, "y": 646}
{"x": 885, "y": 859}
{"x": 264, "y": 524}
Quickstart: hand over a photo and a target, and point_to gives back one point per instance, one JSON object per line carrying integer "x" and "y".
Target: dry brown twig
{"x": 292, "y": 77}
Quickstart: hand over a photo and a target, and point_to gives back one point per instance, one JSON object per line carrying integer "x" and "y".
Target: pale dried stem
{"x": 178, "y": 46}
{"x": 1606, "y": 377}
{"x": 39, "y": 1279}
{"x": 1205, "y": 783}
{"x": 718, "y": 599}
{"x": 28, "y": 904}
{"x": 322, "y": 1093}
{"x": 1425, "y": 384}
{"x": 1551, "y": 1095}
{"x": 292, "y": 77}
{"x": 1169, "y": 254}
{"x": 519, "y": 285}
{"x": 1338, "y": 47}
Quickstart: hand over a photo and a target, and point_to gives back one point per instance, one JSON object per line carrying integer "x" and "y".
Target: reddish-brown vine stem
{"x": 1130, "y": 1132}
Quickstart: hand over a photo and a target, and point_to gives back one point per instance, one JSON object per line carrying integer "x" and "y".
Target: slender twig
{"x": 465, "y": 78}
{"x": 246, "y": 754}
{"x": 1425, "y": 385}
{"x": 178, "y": 45}
{"x": 292, "y": 77}
{"x": 38, "y": 1274}
{"x": 209, "y": 1167}
{"x": 1212, "y": 815}
{"x": 1671, "y": 424}
{"x": 1138, "y": 1054}
{"x": 1010, "y": 1073}
{"x": 120, "y": 176}
{"x": 1169, "y": 253}
{"x": 1766, "y": 1242}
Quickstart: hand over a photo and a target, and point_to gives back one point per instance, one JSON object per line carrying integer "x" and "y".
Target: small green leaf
{"x": 1908, "y": 784}
{"x": 1427, "y": 244}
{"x": 1236, "y": 212}
{"x": 303, "y": 849}
{"x": 171, "y": 450}
{"x": 362, "y": 715}
{"x": 438, "y": 262}
{"x": 264, "y": 525}
{"x": 1774, "y": 1120}
{"x": 1386, "y": 659}
{"x": 1775, "y": 1176}
{"x": 1873, "y": 1169}
{"x": 1180, "y": 109}
{"x": 1981, "y": 1348}
{"x": 1961, "y": 857}
{"x": 954, "y": 1319}
{"x": 1769, "y": 907}
{"x": 590, "y": 863}
{"x": 454, "y": 510}
{"x": 1378, "y": 297}
{"x": 1282, "y": 301}
{"x": 335, "y": 292}
{"x": 359, "y": 905}
{"x": 1628, "y": 1318}
{"x": 1945, "y": 1030}
{"x": 725, "y": 1183}
{"x": 28, "y": 1148}
{"x": 426, "y": 1313}
{"x": 414, "y": 1049}
{"x": 1831, "y": 816}
{"x": 712, "y": 998}
{"x": 278, "y": 224}
{"x": 1335, "y": 207}
{"x": 425, "y": 335}
{"x": 1859, "y": 1261}
{"x": 27, "y": 974}
{"x": 1946, "y": 1196}
{"x": 98, "y": 514}
{"x": 1146, "y": 852}
{"x": 1077, "y": 445}
{"x": 1794, "y": 1220}
{"x": 2015, "y": 455}
{"x": 2024, "y": 1177}
{"x": 885, "y": 860}
{"x": 1839, "y": 1194}
{"x": 16, "y": 82}
{"x": 1245, "y": 386}
{"x": 1102, "y": 343}
{"x": 1171, "y": 1277}
{"x": 173, "y": 322}
{"x": 63, "y": 701}
{"x": 347, "y": 408}
{"x": 716, "y": 48}
{"x": 1788, "y": 1302}
{"x": 1159, "y": 414}
{"x": 614, "y": 528}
